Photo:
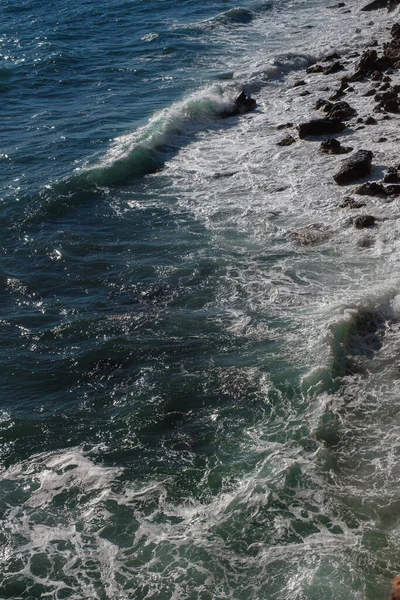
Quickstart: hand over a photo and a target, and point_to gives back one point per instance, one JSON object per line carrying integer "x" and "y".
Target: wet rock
{"x": 392, "y": 175}
{"x": 363, "y": 221}
{"x": 330, "y": 57}
{"x": 322, "y": 103}
{"x": 315, "y": 69}
{"x": 311, "y": 234}
{"x": 349, "y": 202}
{"x": 224, "y": 174}
{"x": 381, "y": 140}
{"x": 286, "y": 141}
{"x": 355, "y": 167}
{"x": 330, "y": 146}
{"x": 370, "y": 121}
{"x": 370, "y": 92}
{"x": 338, "y": 5}
{"x": 242, "y": 104}
{"x": 299, "y": 83}
{"x": 334, "y": 68}
{"x": 285, "y": 126}
{"x": 340, "y": 110}
{"x": 320, "y": 127}
{"x": 305, "y": 93}
{"x": 375, "y": 5}
{"x": 333, "y": 146}
{"x": 371, "y": 188}
{"x": 392, "y": 189}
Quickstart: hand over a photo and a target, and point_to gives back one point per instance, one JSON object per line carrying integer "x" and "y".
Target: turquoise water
{"x": 193, "y": 406}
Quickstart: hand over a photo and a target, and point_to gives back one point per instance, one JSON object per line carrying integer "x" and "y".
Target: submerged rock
{"x": 357, "y": 166}
{"x": 286, "y": 141}
{"x": 311, "y": 234}
{"x": 349, "y": 202}
{"x": 325, "y": 126}
{"x": 363, "y": 221}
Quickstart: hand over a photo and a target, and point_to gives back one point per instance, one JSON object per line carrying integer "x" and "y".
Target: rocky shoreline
{"x": 360, "y": 91}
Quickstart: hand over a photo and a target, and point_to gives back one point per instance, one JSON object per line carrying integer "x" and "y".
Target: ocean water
{"x": 196, "y": 404}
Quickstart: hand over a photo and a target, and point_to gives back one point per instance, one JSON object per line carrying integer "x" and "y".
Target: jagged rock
{"x": 320, "y": 127}
{"x": 393, "y": 189}
{"x": 349, "y": 202}
{"x": 370, "y": 121}
{"x": 363, "y": 221}
{"x": 242, "y": 104}
{"x": 392, "y": 175}
{"x": 299, "y": 82}
{"x": 286, "y": 141}
{"x": 340, "y": 110}
{"x": 285, "y": 126}
{"x": 357, "y": 166}
{"x": 371, "y": 188}
{"x": 315, "y": 69}
{"x": 370, "y": 92}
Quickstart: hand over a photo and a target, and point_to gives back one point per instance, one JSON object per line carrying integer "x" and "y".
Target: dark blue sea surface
{"x": 173, "y": 373}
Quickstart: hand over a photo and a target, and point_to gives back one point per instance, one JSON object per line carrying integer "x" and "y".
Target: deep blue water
{"x": 166, "y": 413}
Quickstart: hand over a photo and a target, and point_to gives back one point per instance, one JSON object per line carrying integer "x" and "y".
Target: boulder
{"x": 320, "y": 127}
{"x": 355, "y": 167}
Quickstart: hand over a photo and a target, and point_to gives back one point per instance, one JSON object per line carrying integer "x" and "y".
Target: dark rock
{"x": 386, "y": 79}
{"x": 384, "y": 87}
{"x": 372, "y": 44}
{"x": 349, "y": 202}
{"x": 315, "y": 69}
{"x": 334, "y": 68}
{"x": 360, "y": 120}
{"x": 340, "y": 110}
{"x": 242, "y": 104}
{"x": 367, "y": 62}
{"x": 376, "y": 76}
{"x": 285, "y": 126}
{"x": 324, "y": 104}
{"x": 370, "y": 92}
{"x": 392, "y": 175}
{"x": 224, "y": 174}
{"x": 370, "y": 121}
{"x": 375, "y": 5}
{"x": 393, "y": 189}
{"x": 330, "y": 57}
{"x": 330, "y": 146}
{"x": 298, "y": 83}
{"x": 338, "y": 5}
{"x": 286, "y": 141}
{"x": 320, "y": 127}
{"x": 357, "y": 166}
{"x": 363, "y": 221}
{"x": 305, "y": 93}
{"x": 381, "y": 140}
{"x": 371, "y": 188}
